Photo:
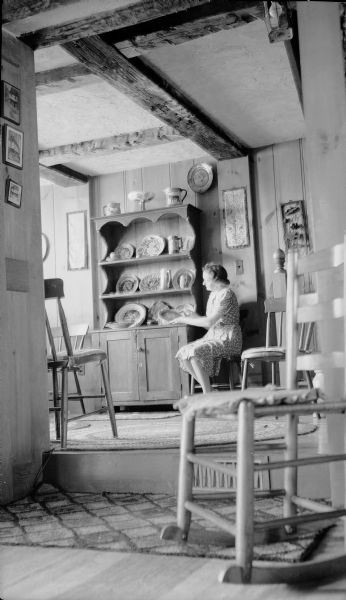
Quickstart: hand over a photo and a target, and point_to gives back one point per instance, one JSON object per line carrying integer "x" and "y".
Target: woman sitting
{"x": 223, "y": 339}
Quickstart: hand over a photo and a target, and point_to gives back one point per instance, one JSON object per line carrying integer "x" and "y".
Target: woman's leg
{"x": 201, "y": 375}
{"x": 186, "y": 365}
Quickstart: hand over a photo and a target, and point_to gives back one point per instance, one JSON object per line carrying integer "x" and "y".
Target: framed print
{"x": 10, "y": 102}
{"x": 77, "y": 240}
{"x": 236, "y": 218}
{"x": 294, "y": 224}
{"x": 13, "y": 146}
{"x": 13, "y": 194}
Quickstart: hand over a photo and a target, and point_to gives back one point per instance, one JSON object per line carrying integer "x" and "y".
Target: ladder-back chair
{"x": 326, "y": 308}
{"x": 77, "y": 333}
{"x": 54, "y": 290}
{"x": 55, "y": 365}
{"x": 276, "y": 354}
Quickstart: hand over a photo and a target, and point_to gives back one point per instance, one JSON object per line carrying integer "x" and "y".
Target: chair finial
{"x": 279, "y": 261}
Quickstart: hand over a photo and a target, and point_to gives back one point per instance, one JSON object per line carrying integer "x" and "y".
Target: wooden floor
{"x": 67, "y": 574}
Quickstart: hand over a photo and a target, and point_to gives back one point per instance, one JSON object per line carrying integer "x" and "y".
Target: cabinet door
{"x": 122, "y": 365}
{"x": 158, "y": 369}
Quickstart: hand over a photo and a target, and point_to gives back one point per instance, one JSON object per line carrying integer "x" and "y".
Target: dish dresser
{"x": 149, "y": 272}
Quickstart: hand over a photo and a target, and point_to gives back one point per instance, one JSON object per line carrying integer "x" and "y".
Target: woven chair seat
{"x": 224, "y": 404}
{"x": 263, "y": 352}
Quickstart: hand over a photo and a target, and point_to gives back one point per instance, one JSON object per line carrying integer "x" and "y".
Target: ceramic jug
{"x": 175, "y": 195}
{"x": 165, "y": 279}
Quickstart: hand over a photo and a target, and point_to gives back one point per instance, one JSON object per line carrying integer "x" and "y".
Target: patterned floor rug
{"x": 162, "y": 430}
{"x": 126, "y": 522}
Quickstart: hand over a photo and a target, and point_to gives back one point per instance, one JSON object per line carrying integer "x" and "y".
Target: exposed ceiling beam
{"x": 152, "y": 16}
{"x": 63, "y": 176}
{"x": 293, "y": 54}
{"x": 110, "y": 145}
{"x": 63, "y": 79}
{"x": 109, "y": 63}
{"x": 219, "y": 15}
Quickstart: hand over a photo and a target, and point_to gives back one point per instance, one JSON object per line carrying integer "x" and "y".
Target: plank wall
{"x": 23, "y": 392}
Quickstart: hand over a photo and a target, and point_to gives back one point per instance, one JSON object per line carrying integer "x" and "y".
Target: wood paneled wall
{"x": 24, "y": 432}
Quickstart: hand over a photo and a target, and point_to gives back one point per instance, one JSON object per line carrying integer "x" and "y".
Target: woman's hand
{"x": 177, "y": 320}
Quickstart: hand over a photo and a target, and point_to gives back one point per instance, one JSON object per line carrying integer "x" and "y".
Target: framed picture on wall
{"x": 294, "y": 224}
{"x": 13, "y": 193}
{"x": 77, "y": 240}
{"x": 236, "y": 218}
{"x": 10, "y": 102}
{"x": 13, "y": 146}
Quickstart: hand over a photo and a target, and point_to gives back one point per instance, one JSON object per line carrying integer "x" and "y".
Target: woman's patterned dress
{"x": 222, "y": 340}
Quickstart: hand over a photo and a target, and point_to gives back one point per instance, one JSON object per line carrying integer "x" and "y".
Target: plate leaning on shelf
{"x": 151, "y": 245}
{"x": 150, "y": 283}
{"x": 132, "y": 313}
{"x": 124, "y": 251}
{"x": 167, "y": 315}
{"x": 183, "y": 279}
{"x": 127, "y": 284}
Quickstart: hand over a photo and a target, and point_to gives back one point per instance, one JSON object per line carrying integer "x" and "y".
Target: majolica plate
{"x": 151, "y": 245}
{"x": 167, "y": 315}
{"x": 200, "y": 177}
{"x": 124, "y": 251}
{"x": 150, "y": 283}
{"x": 127, "y": 284}
{"x": 132, "y": 313}
{"x": 183, "y": 279}
{"x": 155, "y": 309}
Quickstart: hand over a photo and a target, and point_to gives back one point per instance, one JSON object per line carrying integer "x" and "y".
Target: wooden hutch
{"x": 142, "y": 364}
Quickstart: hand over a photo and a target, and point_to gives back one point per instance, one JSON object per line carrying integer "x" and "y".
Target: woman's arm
{"x": 198, "y": 321}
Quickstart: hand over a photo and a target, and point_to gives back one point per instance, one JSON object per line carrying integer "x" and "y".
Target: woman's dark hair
{"x": 219, "y": 272}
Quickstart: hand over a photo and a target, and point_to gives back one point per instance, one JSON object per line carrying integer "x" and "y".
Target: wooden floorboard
{"x": 69, "y": 574}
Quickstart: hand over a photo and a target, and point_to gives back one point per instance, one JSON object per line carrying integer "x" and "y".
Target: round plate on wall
{"x": 45, "y": 246}
{"x": 200, "y": 177}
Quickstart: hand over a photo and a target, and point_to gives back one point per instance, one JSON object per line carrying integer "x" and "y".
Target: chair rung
{"x": 193, "y": 507}
{"x": 308, "y": 460}
{"x": 212, "y": 464}
{"x": 310, "y": 504}
{"x": 300, "y": 408}
{"x": 306, "y": 518}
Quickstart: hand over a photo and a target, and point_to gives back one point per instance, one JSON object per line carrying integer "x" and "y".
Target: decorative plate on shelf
{"x": 183, "y": 279}
{"x": 155, "y": 309}
{"x": 132, "y": 313}
{"x": 151, "y": 245}
{"x": 123, "y": 252}
{"x": 200, "y": 177}
{"x": 150, "y": 283}
{"x": 185, "y": 309}
{"x": 127, "y": 284}
{"x": 167, "y": 315}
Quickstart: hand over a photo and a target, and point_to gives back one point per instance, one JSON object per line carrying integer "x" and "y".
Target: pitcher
{"x": 165, "y": 279}
{"x": 175, "y": 195}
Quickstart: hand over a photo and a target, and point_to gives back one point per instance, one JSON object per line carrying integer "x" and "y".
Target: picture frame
{"x": 13, "y": 193}
{"x": 10, "y": 102}
{"x": 13, "y": 140}
{"x": 236, "y": 218}
{"x": 77, "y": 240}
{"x": 295, "y": 224}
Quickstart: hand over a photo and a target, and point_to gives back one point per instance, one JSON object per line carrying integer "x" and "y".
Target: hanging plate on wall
{"x": 200, "y": 177}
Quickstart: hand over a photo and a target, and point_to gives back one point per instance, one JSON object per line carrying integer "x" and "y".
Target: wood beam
{"x": 150, "y": 16}
{"x": 220, "y": 15}
{"x": 293, "y": 54}
{"x": 16, "y": 10}
{"x": 63, "y": 78}
{"x": 63, "y": 176}
{"x": 110, "y": 145}
{"x": 109, "y": 63}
